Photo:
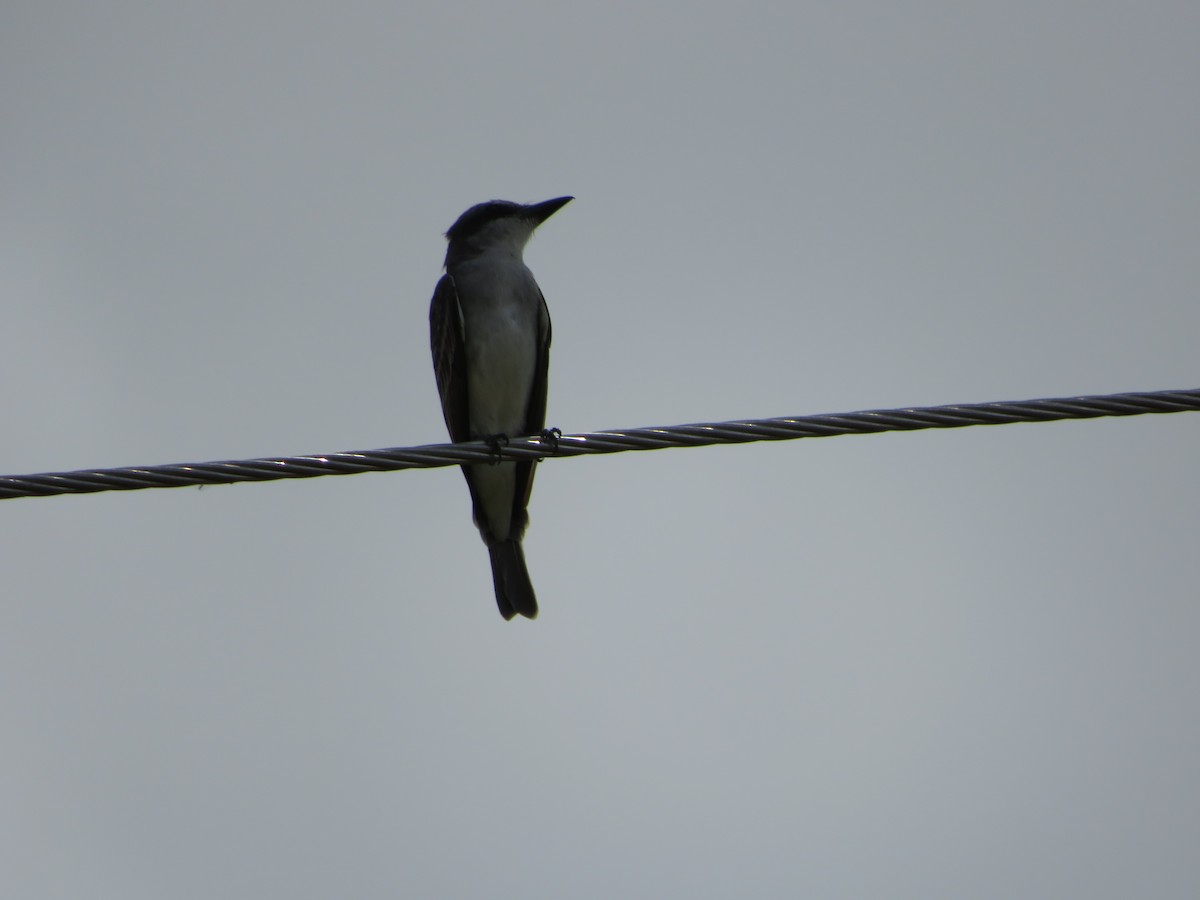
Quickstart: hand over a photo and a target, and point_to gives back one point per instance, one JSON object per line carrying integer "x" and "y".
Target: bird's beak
{"x": 540, "y": 212}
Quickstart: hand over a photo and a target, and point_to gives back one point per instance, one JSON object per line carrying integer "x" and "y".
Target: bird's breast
{"x": 500, "y": 306}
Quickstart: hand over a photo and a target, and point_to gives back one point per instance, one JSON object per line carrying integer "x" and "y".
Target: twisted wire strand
{"x": 135, "y": 478}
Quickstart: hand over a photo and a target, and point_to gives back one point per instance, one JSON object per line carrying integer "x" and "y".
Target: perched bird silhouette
{"x": 489, "y": 331}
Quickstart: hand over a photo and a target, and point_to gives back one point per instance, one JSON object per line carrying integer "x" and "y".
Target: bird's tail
{"x": 514, "y": 590}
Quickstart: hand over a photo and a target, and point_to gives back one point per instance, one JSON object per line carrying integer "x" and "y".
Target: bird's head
{"x": 498, "y": 226}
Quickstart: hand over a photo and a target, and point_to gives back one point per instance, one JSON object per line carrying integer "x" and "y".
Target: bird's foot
{"x": 495, "y": 442}
{"x": 549, "y": 437}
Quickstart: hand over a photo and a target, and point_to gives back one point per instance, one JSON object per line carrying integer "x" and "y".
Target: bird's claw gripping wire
{"x": 495, "y": 442}
{"x": 549, "y": 437}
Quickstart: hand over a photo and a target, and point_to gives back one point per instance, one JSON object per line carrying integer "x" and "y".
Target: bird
{"x": 489, "y": 330}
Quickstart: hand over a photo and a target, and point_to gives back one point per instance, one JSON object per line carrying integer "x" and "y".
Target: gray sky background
{"x": 950, "y": 664}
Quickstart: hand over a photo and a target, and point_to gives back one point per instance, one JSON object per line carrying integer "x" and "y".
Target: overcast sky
{"x": 943, "y": 664}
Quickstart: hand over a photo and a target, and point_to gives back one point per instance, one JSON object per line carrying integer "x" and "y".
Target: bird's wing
{"x": 535, "y": 415}
{"x": 449, "y": 359}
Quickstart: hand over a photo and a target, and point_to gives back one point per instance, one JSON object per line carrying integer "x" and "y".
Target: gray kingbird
{"x": 490, "y": 334}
